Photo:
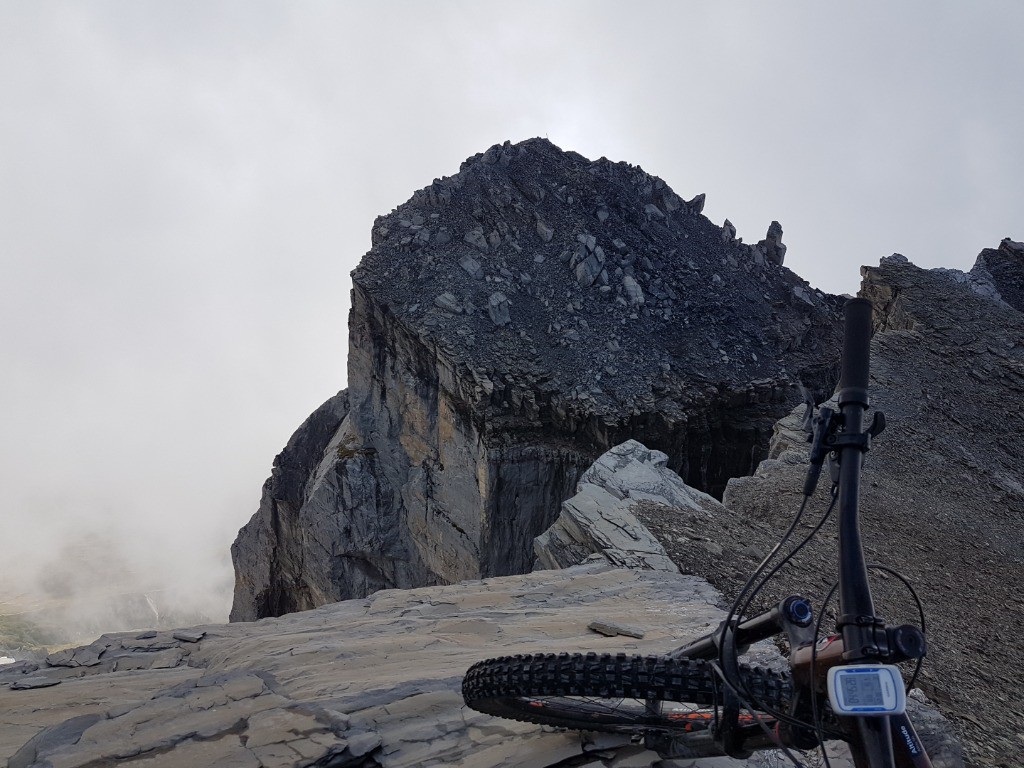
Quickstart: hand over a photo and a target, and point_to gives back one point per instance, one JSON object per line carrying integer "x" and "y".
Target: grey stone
{"x": 589, "y": 269}
{"x": 498, "y": 309}
{"x": 448, "y": 302}
{"x": 76, "y": 657}
{"x": 611, "y": 629}
{"x": 599, "y": 520}
{"x": 28, "y": 683}
{"x": 801, "y": 293}
{"x": 653, "y": 211}
{"x": 757, "y": 253}
{"x": 475, "y": 237}
{"x": 544, "y": 231}
{"x": 696, "y": 205}
{"x": 472, "y": 266}
{"x": 187, "y": 636}
{"x": 772, "y": 245}
{"x": 728, "y": 232}
{"x": 634, "y": 293}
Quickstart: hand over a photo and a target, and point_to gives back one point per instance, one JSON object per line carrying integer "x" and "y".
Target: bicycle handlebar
{"x": 860, "y": 627}
{"x": 853, "y": 380}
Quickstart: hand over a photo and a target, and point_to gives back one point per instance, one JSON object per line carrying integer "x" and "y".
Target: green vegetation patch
{"x": 17, "y": 632}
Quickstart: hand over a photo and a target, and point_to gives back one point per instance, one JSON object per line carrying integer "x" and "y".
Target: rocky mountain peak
{"x": 540, "y": 267}
{"x": 1003, "y": 267}
{"x": 510, "y": 324}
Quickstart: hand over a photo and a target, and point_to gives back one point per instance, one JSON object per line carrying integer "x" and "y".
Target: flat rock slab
{"x": 611, "y": 629}
{"x": 370, "y": 682}
{"x": 27, "y": 683}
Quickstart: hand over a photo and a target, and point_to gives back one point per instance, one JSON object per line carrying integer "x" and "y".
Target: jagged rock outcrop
{"x": 1004, "y": 268}
{"x": 511, "y": 323}
{"x": 298, "y": 506}
{"x": 599, "y": 518}
{"x": 943, "y": 497}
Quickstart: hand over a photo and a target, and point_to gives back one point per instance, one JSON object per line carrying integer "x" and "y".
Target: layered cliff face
{"x": 510, "y": 324}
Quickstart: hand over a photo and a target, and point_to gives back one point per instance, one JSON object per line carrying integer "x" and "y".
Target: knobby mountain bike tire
{"x": 605, "y": 692}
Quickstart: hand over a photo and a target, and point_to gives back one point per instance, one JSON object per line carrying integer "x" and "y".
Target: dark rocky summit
{"x": 509, "y": 324}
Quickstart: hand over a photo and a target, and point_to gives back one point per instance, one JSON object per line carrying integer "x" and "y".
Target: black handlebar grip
{"x": 853, "y": 380}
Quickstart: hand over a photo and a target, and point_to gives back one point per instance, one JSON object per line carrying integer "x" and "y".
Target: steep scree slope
{"x": 943, "y": 497}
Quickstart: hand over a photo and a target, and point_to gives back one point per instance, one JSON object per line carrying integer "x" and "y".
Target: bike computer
{"x": 866, "y": 690}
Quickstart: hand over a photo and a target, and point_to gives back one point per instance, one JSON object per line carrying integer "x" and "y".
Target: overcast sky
{"x": 185, "y": 187}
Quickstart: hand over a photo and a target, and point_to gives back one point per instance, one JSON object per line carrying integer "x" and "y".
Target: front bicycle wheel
{"x": 619, "y": 693}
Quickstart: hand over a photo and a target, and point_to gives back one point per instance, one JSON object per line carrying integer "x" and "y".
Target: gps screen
{"x": 862, "y": 690}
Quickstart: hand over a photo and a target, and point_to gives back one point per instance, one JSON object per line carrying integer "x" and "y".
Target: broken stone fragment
{"x": 189, "y": 636}
{"x": 803, "y": 294}
{"x": 475, "y": 237}
{"x": 653, "y": 211}
{"x": 697, "y": 204}
{"x": 774, "y": 249}
{"x": 611, "y": 629}
{"x": 28, "y": 683}
{"x": 545, "y": 232}
{"x": 498, "y": 308}
{"x": 75, "y": 657}
{"x": 449, "y": 302}
{"x": 634, "y": 293}
{"x": 589, "y": 269}
{"x": 1012, "y": 246}
{"x": 728, "y": 232}
{"x": 472, "y": 266}
{"x": 599, "y": 518}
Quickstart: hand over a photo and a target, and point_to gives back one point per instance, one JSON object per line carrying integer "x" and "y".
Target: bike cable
{"x": 815, "y": 713}
{"x": 741, "y": 611}
{"x": 751, "y": 708}
{"x": 819, "y": 729}
{"x": 920, "y": 613}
